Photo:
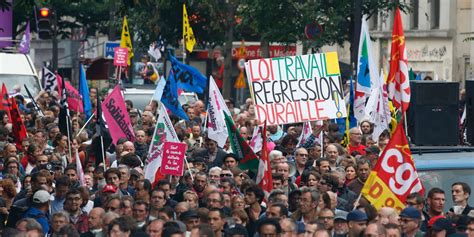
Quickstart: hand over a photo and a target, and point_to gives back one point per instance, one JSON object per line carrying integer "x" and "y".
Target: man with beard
{"x": 72, "y": 206}
{"x": 200, "y": 183}
{"x": 363, "y": 171}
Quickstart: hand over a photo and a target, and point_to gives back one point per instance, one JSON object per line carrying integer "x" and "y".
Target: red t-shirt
{"x": 360, "y": 148}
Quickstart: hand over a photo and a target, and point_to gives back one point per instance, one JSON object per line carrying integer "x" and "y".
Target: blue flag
{"x": 170, "y": 97}
{"x": 187, "y": 77}
{"x": 84, "y": 91}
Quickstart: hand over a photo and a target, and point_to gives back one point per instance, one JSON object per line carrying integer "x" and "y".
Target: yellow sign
{"x": 240, "y": 82}
{"x": 188, "y": 34}
{"x": 125, "y": 40}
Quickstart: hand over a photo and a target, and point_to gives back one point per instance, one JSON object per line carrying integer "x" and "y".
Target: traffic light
{"x": 44, "y": 23}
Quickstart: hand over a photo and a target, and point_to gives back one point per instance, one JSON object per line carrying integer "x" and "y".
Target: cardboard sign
{"x": 120, "y": 57}
{"x": 173, "y": 158}
{"x": 296, "y": 89}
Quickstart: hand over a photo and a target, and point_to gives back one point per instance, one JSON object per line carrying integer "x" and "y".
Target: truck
{"x": 17, "y": 70}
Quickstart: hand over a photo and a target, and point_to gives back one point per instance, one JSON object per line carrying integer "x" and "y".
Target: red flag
{"x": 18, "y": 128}
{"x": 74, "y": 99}
{"x": 264, "y": 176}
{"x": 394, "y": 176}
{"x": 398, "y": 80}
{"x": 5, "y": 102}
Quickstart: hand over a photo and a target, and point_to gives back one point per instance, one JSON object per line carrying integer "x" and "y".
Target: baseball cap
{"x": 134, "y": 172}
{"x": 340, "y": 215}
{"x": 444, "y": 224}
{"x": 411, "y": 212}
{"x": 357, "y": 215}
{"x": 109, "y": 189}
{"x": 372, "y": 149}
{"x": 41, "y": 196}
{"x": 236, "y": 230}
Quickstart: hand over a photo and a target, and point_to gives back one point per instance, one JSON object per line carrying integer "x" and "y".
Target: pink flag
{"x": 116, "y": 116}
{"x": 74, "y": 99}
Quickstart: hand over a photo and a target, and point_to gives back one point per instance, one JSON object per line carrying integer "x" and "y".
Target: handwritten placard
{"x": 120, "y": 57}
{"x": 173, "y": 158}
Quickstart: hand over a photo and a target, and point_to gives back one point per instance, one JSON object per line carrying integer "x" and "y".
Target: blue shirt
{"x": 39, "y": 216}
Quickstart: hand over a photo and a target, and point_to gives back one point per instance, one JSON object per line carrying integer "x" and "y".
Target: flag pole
{"x": 321, "y": 135}
{"x": 190, "y": 171}
{"x": 103, "y": 151}
{"x": 68, "y": 136}
{"x": 87, "y": 122}
{"x": 184, "y": 50}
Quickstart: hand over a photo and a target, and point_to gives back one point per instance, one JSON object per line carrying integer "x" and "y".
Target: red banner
{"x": 394, "y": 176}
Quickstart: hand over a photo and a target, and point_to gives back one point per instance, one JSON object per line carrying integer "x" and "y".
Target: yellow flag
{"x": 188, "y": 34}
{"x": 125, "y": 41}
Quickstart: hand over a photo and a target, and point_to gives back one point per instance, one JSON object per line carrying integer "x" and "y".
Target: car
{"x": 141, "y": 95}
{"x": 442, "y": 166}
{"x": 17, "y": 70}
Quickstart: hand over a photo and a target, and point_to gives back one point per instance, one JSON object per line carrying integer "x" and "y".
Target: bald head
{"x": 129, "y": 147}
{"x": 96, "y": 217}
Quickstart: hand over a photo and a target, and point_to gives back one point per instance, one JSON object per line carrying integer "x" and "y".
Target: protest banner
{"x": 120, "y": 57}
{"x": 116, "y": 116}
{"x": 173, "y": 158}
{"x": 297, "y": 88}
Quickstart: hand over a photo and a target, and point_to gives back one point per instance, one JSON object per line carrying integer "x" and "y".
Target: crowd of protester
{"x": 316, "y": 186}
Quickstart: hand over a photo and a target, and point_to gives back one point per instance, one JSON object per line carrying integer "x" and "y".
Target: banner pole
{"x": 103, "y": 151}
{"x": 87, "y": 122}
{"x": 190, "y": 171}
{"x": 68, "y": 136}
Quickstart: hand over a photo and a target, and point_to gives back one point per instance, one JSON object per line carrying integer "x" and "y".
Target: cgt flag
{"x": 18, "y": 127}
{"x": 116, "y": 116}
{"x": 394, "y": 176}
{"x": 125, "y": 40}
{"x": 398, "y": 79}
{"x": 5, "y": 102}
{"x": 74, "y": 99}
{"x": 188, "y": 34}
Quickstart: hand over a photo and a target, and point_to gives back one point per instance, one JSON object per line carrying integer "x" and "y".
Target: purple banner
{"x": 6, "y": 25}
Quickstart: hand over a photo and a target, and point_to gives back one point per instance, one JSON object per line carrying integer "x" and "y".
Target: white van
{"x": 18, "y": 70}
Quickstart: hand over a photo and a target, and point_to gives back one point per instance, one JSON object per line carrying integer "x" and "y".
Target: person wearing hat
{"x": 442, "y": 227}
{"x": 199, "y": 163}
{"x": 191, "y": 219}
{"x": 340, "y": 224}
{"x": 372, "y": 154}
{"x": 357, "y": 222}
{"x": 410, "y": 219}
{"x": 236, "y": 231}
{"x": 39, "y": 209}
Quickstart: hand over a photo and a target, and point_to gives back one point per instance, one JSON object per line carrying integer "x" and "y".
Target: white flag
{"x": 79, "y": 170}
{"x": 159, "y": 89}
{"x": 366, "y": 72}
{"x": 216, "y": 127}
{"x": 256, "y": 142}
{"x": 164, "y": 131}
{"x": 378, "y": 109}
{"x": 49, "y": 80}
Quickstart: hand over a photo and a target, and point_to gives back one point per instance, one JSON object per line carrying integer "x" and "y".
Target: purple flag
{"x": 24, "y": 47}
{"x": 6, "y": 26}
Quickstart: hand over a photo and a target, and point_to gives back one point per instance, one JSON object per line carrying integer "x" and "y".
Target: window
{"x": 435, "y": 8}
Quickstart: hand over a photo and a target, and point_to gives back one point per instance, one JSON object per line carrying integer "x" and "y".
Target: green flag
{"x": 411, "y": 75}
{"x": 249, "y": 160}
